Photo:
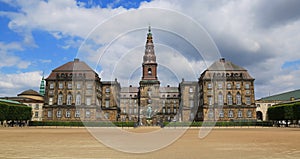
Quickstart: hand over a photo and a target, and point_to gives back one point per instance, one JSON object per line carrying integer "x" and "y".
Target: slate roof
{"x": 286, "y": 96}
{"x": 73, "y": 67}
{"x": 227, "y": 70}
{"x": 30, "y": 92}
{"x": 222, "y": 65}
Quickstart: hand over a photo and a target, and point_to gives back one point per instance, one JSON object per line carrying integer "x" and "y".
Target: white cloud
{"x": 11, "y": 84}
{"x": 238, "y": 28}
{"x": 8, "y": 59}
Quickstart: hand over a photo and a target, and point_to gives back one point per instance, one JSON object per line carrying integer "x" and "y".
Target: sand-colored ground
{"x": 231, "y": 143}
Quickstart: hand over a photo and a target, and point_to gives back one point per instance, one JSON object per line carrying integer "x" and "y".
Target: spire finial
{"x": 149, "y": 28}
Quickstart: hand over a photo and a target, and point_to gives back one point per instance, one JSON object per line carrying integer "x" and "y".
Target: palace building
{"x": 75, "y": 92}
{"x": 226, "y": 93}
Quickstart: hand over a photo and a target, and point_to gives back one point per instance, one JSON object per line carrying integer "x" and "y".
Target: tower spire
{"x": 42, "y": 86}
{"x": 149, "y": 62}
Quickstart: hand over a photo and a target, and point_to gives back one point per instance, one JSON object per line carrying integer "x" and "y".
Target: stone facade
{"x": 223, "y": 92}
{"x": 74, "y": 92}
{"x": 226, "y": 93}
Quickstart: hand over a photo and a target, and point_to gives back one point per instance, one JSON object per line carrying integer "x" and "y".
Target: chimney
{"x": 222, "y": 60}
{"x": 76, "y": 60}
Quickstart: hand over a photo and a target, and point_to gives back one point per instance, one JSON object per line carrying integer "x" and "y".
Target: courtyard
{"x": 233, "y": 143}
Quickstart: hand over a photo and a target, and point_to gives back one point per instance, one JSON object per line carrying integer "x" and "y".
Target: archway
{"x": 259, "y": 115}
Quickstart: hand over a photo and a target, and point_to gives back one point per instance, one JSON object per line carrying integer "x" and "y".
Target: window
{"x": 49, "y": 114}
{"x": 107, "y": 103}
{"x": 164, "y": 110}
{"x": 209, "y": 86}
{"x": 89, "y": 86}
{"x": 60, "y": 85}
{"x": 59, "y": 99}
{"x": 124, "y": 110}
{"x": 50, "y": 101}
{"x": 238, "y": 85}
{"x": 191, "y": 103}
{"x": 58, "y": 114}
{"x": 191, "y": 89}
{"x": 135, "y": 111}
{"x": 228, "y": 85}
{"x": 69, "y": 85}
{"x": 78, "y": 85}
{"x": 78, "y": 99}
{"x": 107, "y": 115}
{"x": 269, "y": 105}
{"x": 248, "y": 100}
{"x": 210, "y": 114}
{"x": 36, "y": 107}
{"x": 107, "y": 89}
{"x": 51, "y": 85}
{"x": 68, "y": 114}
{"x": 220, "y": 99}
{"x": 77, "y": 114}
{"x": 258, "y": 105}
{"x": 192, "y": 116}
{"x": 249, "y": 114}
{"x": 36, "y": 114}
{"x": 169, "y": 110}
{"x": 87, "y": 114}
{"x": 130, "y": 110}
{"x": 220, "y": 85}
{"x": 175, "y": 110}
{"x": 69, "y": 99}
{"x": 229, "y": 99}
{"x": 247, "y": 86}
{"x": 221, "y": 114}
{"x": 238, "y": 99}
{"x": 210, "y": 101}
{"x": 149, "y": 71}
{"x": 230, "y": 114}
{"x": 240, "y": 114}
{"x": 88, "y": 100}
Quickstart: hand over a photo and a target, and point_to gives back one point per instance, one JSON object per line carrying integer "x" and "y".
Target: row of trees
{"x": 14, "y": 111}
{"x": 286, "y": 112}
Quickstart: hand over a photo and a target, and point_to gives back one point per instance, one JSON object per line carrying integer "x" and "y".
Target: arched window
{"x": 210, "y": 114}
{"x": 78, "y": 99}
{"x": 240, "y": 114}
{"x": 238, "y": 99}
{"x": 229, "y": 99}
{"x": 59, "y": 99}
{"x": 69, "y": 99}
{"x": 149, "y": 71}
{"x": 230, "y": 114}
{"x": 220, "y": 99}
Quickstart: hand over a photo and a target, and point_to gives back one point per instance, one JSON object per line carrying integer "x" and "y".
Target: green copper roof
{"x": 283, "y": 96}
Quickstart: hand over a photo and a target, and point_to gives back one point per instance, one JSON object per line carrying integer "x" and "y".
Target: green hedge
{"x": 81, "y": 124}
{"x": 11, "y": 111}
{"x": 218, "y": 124}
{"x": 284, "y": 112}
{"x": 132, "y": 124}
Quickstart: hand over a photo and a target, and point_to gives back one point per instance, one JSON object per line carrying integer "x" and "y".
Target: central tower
{"x": 149, "y": 60}
{"x": 149, "y": 84}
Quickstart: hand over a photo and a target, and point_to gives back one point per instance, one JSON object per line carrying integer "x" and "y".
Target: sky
{"x": 260, "y": 35}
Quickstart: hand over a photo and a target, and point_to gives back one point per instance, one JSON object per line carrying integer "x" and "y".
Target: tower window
{"x": 149, "y": 71}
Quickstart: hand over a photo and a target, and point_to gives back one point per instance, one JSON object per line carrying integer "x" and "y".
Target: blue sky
{"x": 38, "y": 36}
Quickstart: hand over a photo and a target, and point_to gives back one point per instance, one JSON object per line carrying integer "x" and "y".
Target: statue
{"x": 149, "y": 112}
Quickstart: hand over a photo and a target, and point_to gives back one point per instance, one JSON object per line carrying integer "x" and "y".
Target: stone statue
{"x": 149, "y": 112}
